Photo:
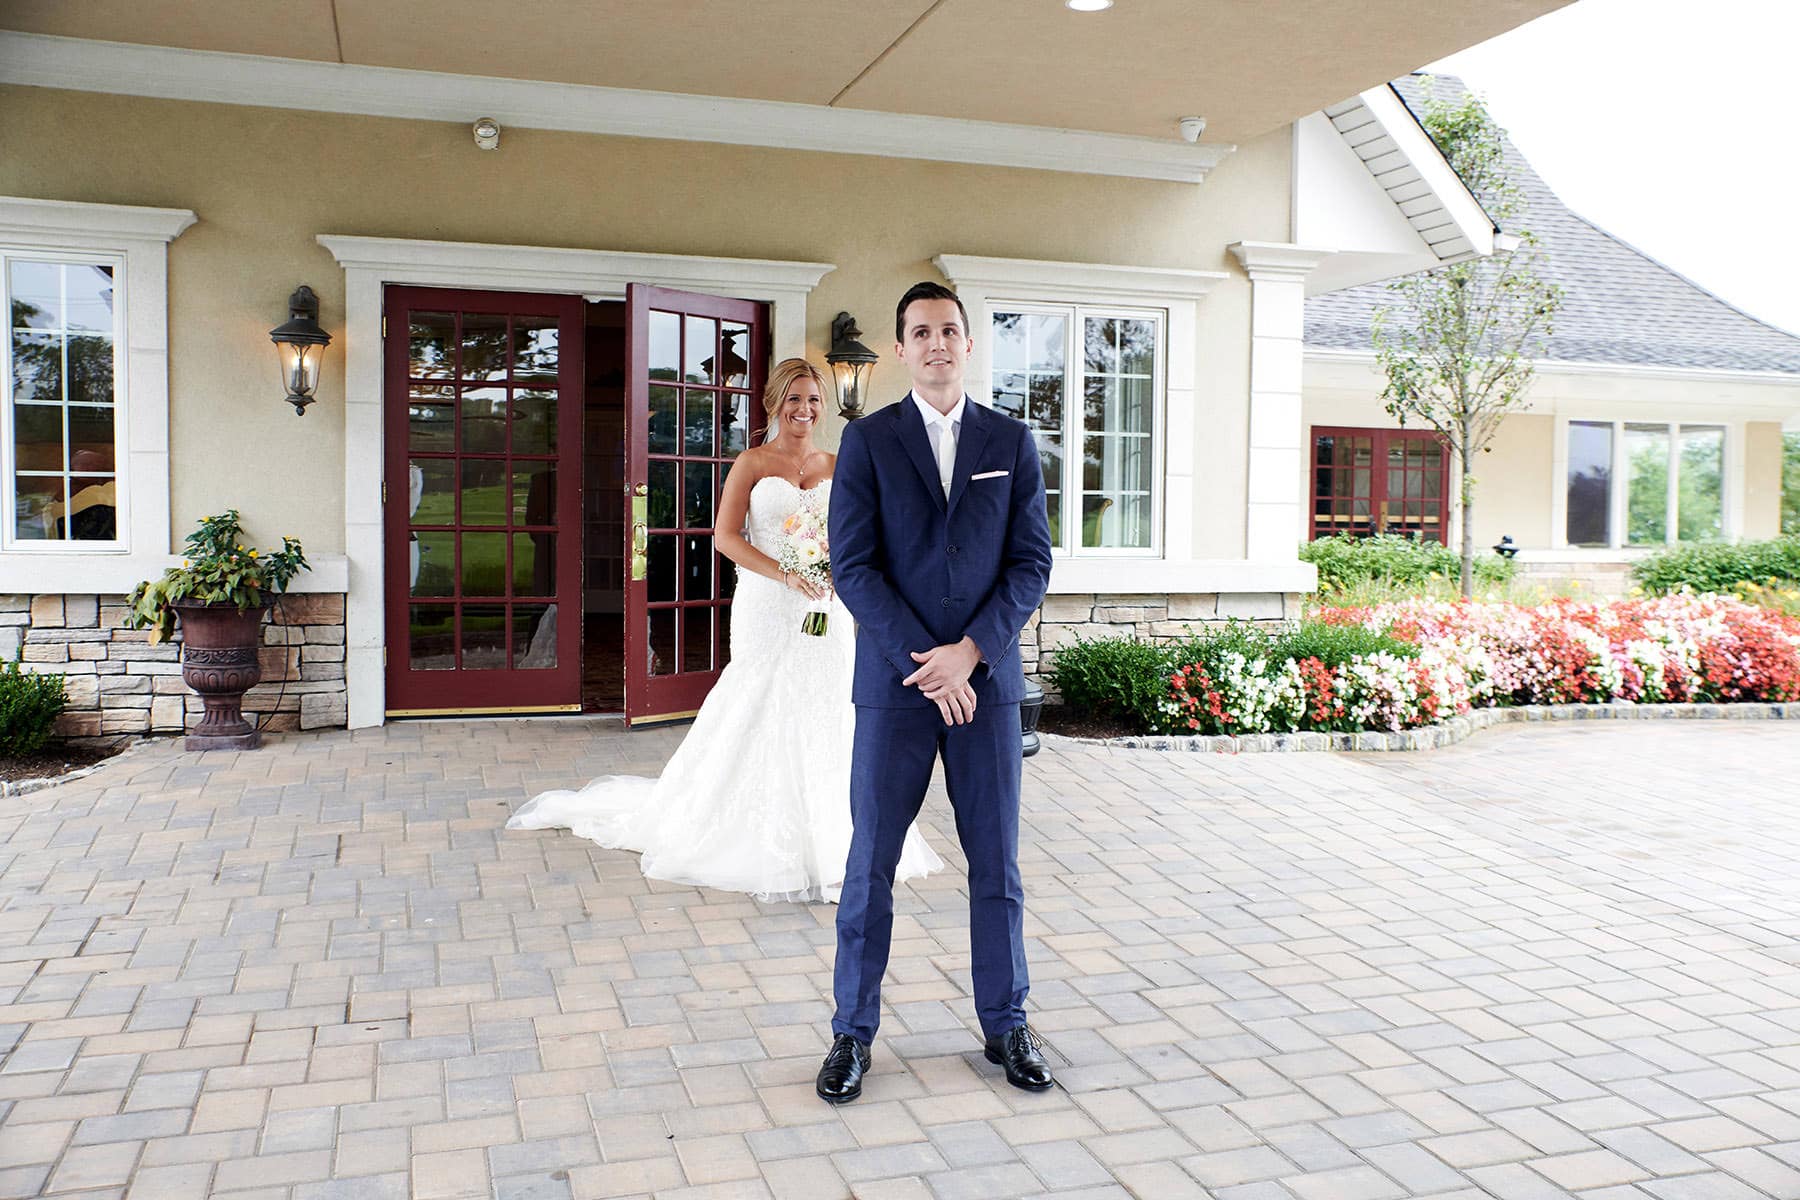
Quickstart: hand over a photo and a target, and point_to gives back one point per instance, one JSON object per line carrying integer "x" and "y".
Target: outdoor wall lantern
{"x": 851, "y": 365}
{"x": 1506, "y": 547}
{"x": 301, "y": 344}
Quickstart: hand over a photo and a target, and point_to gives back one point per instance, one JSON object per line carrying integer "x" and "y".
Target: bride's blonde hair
{"x": 783, "y": 377}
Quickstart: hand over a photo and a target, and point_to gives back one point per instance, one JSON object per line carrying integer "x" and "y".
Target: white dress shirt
{"x": 941, "y": 429}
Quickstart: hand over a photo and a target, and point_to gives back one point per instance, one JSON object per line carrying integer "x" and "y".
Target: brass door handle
{"x": 640, "y": 533}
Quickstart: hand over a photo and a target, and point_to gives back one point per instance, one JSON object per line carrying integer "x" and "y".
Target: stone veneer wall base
{"x": 1446, "y": 733}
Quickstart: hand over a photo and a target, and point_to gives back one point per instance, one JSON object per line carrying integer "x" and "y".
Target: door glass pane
{"x": 534, "y": 493}
{"x": 484, "y": 564}
{"x": 1589, "y": 484}
{"x": 432, "y": 345}
{"x": 697, "y": 564}
{"x": 484, "y": 420}
{"x": 699, "y": 423}
{"x": 665, "y": 345}
{"x": 483, "y": 491}
{"x": 431, "y": 418}
{"x": 431, "y": 637}
{"x": 534, "y": 564}
{"x": 484, "y": 346}
{"x": 534, "y": 348}
{"x": 664, "y": 424}
{"x": 660, "y": 505}
{"x": 1048, "y": 333}
{"x": 696, "y": 639}
{"x": 534, "y": 422}
{"x": 1137, "y": 350}
{"x": 702, "y": 338}
{"x": 659, "y": 572}
{"x": 1647, "y": 473}
{"x": 697, "y": 495}
{"x": 734, "y": 424}
{"x": 1100, "y": 346}
{"x": 1116, "y": 464}
{"x": 662, "y": 641}
{"x": 1046, "y": 408}
{"x": 734, "y": 338}
{"x": 484, "y": 637}
{"x": 534, "y": 637}
{"x": 1007, "y": 348}
{"x": 1700, "y": 503}
{"x": 432, "y": 491}
{"x": 727, "y": 572}
{"x": 433, "y": 563}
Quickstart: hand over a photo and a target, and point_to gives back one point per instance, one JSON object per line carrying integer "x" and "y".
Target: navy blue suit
{"x": 917, "y": 571}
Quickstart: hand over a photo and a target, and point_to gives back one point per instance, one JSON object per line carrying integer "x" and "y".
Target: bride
{"x": 757, "y": 797}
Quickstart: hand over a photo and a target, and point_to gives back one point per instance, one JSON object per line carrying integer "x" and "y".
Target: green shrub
{"x": 1119, "y": 678}
{"x": 1395, "y": 560}
{"x": 1335, "y": 645}
{"x": 1718, "y": 566}
{"x": 29, "y": 705}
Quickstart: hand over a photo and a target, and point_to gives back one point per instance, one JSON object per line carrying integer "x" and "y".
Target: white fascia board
{"x": 170, "y": 73}
{"x": 1324, "y": 355}
{"x": 1417, "y": 148}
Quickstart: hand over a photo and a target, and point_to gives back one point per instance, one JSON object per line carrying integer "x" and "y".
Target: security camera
{"x": 487, "y": 133}
{"x": 1192, "y": 128}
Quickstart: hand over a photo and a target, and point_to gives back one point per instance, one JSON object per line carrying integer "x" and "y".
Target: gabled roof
{"x": 1620, "y": 306}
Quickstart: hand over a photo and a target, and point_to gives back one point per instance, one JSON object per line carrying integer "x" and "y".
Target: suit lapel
{"x": 970, "y": 440}
{"x": 911, "y": 431}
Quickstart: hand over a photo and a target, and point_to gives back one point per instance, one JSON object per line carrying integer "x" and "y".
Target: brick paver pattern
{"x": 1551, "y": 961}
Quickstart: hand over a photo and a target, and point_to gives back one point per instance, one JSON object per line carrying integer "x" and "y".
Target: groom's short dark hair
{"x": 925, "y": 291}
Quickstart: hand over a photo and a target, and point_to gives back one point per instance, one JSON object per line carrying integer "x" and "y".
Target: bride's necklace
{"x": 799, "y": 466}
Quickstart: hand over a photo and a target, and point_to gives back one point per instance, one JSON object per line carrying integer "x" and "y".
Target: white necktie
{"x": 946, "y": 454}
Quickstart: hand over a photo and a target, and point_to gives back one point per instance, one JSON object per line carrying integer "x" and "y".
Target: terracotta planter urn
{"x": 219, "y": 660}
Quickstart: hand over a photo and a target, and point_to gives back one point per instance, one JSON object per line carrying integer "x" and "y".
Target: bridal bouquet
{"x": 806, "y": 551}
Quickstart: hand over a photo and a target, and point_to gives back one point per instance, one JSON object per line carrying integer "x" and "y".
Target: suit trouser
{"x": 890, "y": 771}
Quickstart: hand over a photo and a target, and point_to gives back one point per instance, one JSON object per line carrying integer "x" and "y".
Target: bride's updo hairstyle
{"x": 785, "y": 375}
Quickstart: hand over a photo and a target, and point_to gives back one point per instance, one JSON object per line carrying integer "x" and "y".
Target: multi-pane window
{"x": 1673, "y": 480}
{"x": 60, "y": 402}
{"x": 1086, "y": 381}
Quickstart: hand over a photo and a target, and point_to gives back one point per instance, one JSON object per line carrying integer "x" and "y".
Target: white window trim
{"x": 371, "y": 264}
{"x": 137, "y": 241}
{"x": 1618, "y": 495}
{"x": 1074, "y": 427}
{"x": 987, "y": 283}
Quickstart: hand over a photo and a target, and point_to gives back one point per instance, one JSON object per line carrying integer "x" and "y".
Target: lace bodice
{"x": 772, "y": 500}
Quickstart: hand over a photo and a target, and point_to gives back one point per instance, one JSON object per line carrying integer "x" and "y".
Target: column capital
{"x": 1278, "y": 261}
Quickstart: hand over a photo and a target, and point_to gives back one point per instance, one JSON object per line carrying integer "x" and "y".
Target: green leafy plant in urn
{"x": 221, "y": 593}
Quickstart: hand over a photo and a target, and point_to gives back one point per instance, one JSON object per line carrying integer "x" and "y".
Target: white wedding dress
{"x": 757, "y": 797}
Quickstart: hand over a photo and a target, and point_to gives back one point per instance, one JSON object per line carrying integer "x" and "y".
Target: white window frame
{"x": 1618, "y": 500}
{"x": 120, "y": 543}
{"x": 135, "y": 240}
{"x": 1074, "y": 427}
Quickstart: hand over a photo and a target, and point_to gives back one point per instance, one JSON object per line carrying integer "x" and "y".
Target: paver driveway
{"x": 1552, "y": 960}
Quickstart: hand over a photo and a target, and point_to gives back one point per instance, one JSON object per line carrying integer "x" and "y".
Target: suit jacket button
{"x": 951, "y": 550}
{"x": 946, "y": 602}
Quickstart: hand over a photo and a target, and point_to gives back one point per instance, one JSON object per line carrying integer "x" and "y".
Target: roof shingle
{"x": 1620, "y": 306}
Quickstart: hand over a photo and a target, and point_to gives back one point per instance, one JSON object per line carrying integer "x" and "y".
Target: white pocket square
{"x": 989, "y": 475}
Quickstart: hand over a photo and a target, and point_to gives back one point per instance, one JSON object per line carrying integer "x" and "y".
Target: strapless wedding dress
{"x": 757, "y": 797}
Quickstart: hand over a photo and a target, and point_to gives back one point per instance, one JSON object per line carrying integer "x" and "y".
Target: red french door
{"x": 695, "y": 367}
{"x": 482, "y": 493}
{"x": 1367, "y": 481}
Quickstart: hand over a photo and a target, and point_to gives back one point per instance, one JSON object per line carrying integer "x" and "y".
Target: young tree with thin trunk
{"x": 1458, "y": 348}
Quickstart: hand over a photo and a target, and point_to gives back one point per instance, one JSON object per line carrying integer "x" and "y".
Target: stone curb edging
{"x": 24, "y": 787}
{"x": 1447, "y": 733}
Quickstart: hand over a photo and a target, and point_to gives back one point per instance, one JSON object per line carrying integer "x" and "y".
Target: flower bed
{"x": 1404, "y": 665}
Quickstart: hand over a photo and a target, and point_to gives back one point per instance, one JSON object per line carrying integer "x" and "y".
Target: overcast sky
{"x": 1670, "y": 124}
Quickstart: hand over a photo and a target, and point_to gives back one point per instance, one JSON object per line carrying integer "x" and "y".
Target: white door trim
{"x": 370, "y": 264}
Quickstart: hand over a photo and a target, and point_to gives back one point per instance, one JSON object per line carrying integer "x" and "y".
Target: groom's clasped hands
{"x": 943, "y": 678}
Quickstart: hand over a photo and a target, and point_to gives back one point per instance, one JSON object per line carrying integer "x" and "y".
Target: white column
{"x": 1273, "y": 510}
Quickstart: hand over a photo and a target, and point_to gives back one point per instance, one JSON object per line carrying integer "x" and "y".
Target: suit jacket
{"x": 917, "y": 570}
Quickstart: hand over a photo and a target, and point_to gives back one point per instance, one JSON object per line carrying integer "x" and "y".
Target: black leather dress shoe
{"x": 1018, "y": 1051}
{"x": 841, "y": 1075}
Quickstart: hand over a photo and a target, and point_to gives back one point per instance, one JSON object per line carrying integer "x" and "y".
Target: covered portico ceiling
{"x": 1247, "y": 66}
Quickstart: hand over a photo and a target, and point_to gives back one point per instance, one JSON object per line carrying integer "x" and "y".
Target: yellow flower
{"x": 253, "y": 554}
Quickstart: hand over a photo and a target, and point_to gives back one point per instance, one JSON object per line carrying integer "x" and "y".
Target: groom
{"x": 941, "y": 550}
